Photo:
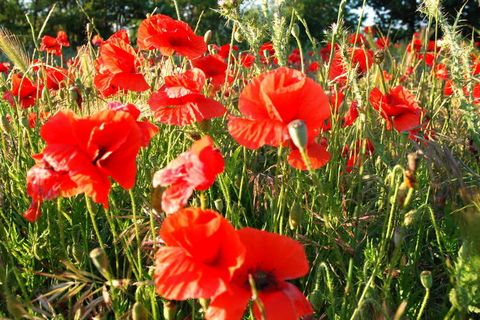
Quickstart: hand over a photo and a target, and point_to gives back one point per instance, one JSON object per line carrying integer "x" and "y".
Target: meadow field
{"x": 283, "y": 175}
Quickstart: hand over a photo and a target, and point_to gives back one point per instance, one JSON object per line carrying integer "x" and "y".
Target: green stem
{"x": 94, "y": 222}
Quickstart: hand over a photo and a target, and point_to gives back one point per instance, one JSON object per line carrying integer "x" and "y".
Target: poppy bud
{"x": 298, "y": 132}
{"x": 412, "y": 162}
{"x": 379, "y": 56}
{"x": 139, "y": 312}
{"x": 218, "y": 205}
{"x": 100, "y": 260}
{"x": 409, "y": 218}
{"x": 156, "y": 197}
{"x": 208, "y": 36}
{"x": 169, "y": 310}
{"x": 106, "y": 296}
{"x": 295, "y": 218}
{"x": 426, "y": 279}
{"x": 238, "y": 36}
{"x": 295, "y": 31}
{"x": 73, "y": 92}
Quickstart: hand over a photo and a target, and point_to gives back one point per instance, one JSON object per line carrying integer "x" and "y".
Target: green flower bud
{"x": 295, "y": 30}
{"x": 100, "y": 260}
{"x": 426, "y": 279}
{"x": 218, "y": 205}
{"x": 299, "y": 134}
{"x": 207, "y": 36}
{"x": 139, "y": 312}
{"x": 295, "y": 218}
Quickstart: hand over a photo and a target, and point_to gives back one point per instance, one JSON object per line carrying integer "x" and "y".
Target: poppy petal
{"x": 317, "y": 154}
{"x": 256, "y": 133}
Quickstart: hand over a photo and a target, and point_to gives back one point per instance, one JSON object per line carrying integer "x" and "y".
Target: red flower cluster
{"x": 273, "y": 100}
{"x": 180, "y": 101}
{"x": 81, "y": 153}
{"x": 169, "y": 36}
{"x": 117, "y": 66}
{"x": 205, "y": 257}
{"x": 195, "y": 169}
{"x": 398, "y": 107}
{"x": 54, "y": 45}
{"x": 22, "y": 89}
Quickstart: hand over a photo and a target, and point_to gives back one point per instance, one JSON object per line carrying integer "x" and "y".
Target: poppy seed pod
{"x": 299, "y": 134}
{"x": 426, "y": 279}
{"x": 100, "y": 260}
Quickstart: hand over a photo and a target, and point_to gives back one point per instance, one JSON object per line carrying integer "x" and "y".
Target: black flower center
{"x": 263, "y": 280}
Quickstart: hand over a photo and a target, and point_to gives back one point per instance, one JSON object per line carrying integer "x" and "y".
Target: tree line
{"x": 399, "y": 18}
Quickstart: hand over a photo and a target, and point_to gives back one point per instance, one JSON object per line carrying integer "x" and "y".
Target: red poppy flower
{"x": 225, "y": 50}
{"x": 4, "y": 67}
{"x": 97, "y": 40}
{"x": 201, "y": 254}
{"x": 214, "y": 68}
{"x": 117, "y": 66}
{"x": 55, "y": 77}
{"x": 351, "y": 115}
{"x": 369, "y": 30}
{"x": 23, "y": 90}
{"x": 81, "y": 153}
{"x": 313, "y": 67}
{"x": 476, "y": 94}
{"x": 360, "y": 58}
{"x": 273, "y": 100}
{"x": 355, "y": 156}
{"x": 441, "y": 72}
{"x": 382, "y": 43}
{"x": 294, "y": 57}
{"x": 247, "y": 60}
{"x": 179, "y": 101}
{"x": 270, "y": 264}
{"x": 399, "y": 108}
{"x": 415, "y": 45}
{"x": 195, "y": 169}
{"x": 267, "y": 53}
{"x": 357, "y": 39}
{"x": 169, "y": 36}
{"x": 54, "y": 45}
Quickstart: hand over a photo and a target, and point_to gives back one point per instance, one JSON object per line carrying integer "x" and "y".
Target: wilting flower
{"x": 270, "y": 261}
{"x": 81, "y": 153}
{"x": 195, "y": 169}
{"x": 201, "y": 254}
{"x": 273, "y": 100}
{"x": 54, "y": 45}
{"x": 23, "y": 90}
{"x": 169, "y": 36}
{"x": 180, "y": 101}
{"x": 398, "y": 107}
{"x": 117, "y": 66}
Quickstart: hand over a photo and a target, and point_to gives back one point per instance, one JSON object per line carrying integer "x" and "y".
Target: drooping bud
{"x": 100, "y": 260}
{"x": 295, "y": 31}
{"x": 426, "y": 279}
{"x": 218, "y": 204}
{"x": 295, "y": 218}
{"x": 299, "y": 134}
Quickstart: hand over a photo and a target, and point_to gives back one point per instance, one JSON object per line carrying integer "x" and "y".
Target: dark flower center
{"x": 100, "y": 153}
{"x": 264, "y": 280}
